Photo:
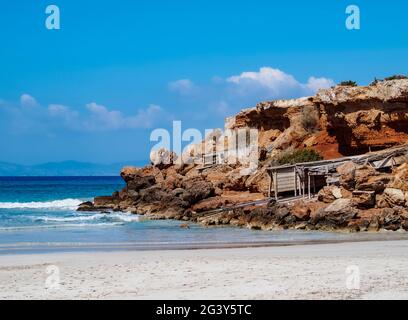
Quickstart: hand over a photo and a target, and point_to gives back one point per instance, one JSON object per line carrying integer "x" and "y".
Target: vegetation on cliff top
{"x": 348, "y": 83}
{"x": 299, "y": 156}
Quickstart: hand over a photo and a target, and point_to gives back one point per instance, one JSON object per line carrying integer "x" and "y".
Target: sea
{"x": 38, "y": 214}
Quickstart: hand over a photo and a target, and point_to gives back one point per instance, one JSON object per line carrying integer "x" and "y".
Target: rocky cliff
{"x": 336, "y": 122}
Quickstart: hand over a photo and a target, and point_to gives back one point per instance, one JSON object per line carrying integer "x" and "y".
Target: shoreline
{"x": 63, "y": 247}
{"x": 292, "y": 272}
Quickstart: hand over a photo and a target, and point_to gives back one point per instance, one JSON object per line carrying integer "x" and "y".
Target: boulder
{"x": 368, "y": 179}
{"x": 141, "y": 182}
{"x": 163, "y": 158}
{"x": 129, "y": 173}
{"x": 218, "y": 175}
{"x": 381, "y": 201}
{"x": 236, "y": 181}
{"x": 301, "y": 211}
{"x": 280, "y": 211}
{"x": 394, "y": 196}
{"x": 209, "y": 204}
{"x": 172, "y": 181}
{"x": 375, "y": 183}
{"x": 132, "y": 173}
{"x": 329, "y": 194}
{"x": 258, "y": 182}
{"x": 105, "y": 202}
{"x": 364, "y": 199}
{"x": 197, "y": 189}
{"x": 152, "y": 194}
{"x": 347, "y": 173}
{"x": 86, "y": 206}
{"x": 400, "y": 180}
{"x": 337, "y": 215}
{"x": 339, "y": 206}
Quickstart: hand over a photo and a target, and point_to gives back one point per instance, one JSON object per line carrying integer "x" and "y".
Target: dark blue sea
{"x": 40, "y": 213}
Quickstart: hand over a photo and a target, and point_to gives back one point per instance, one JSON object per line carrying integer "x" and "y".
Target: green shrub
{"x": 375, "y": 82}
{"x": 396, "y": 77}
{"x": 299, "y": 156}
{"x": 348, "y": 83}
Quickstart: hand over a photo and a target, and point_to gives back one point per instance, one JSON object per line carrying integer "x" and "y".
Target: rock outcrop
{"x": 340, "y": 121}
{"x": 337, "y": 122}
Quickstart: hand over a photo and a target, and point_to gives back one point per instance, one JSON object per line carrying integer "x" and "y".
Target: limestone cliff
{"x": 337, "y": 122}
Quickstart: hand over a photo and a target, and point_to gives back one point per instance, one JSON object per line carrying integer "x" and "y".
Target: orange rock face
{"x": 349, "y": 120}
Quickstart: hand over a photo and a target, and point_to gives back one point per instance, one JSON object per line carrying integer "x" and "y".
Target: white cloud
{"x": 183, "y": 87}
{"x": 314, "y": 84}
{"x": 224, "y": 96}
{"x": 100, "y": 118}
{"x": 56, "y": 110}
{"x": 28, "y": 101}
{"x": 28, "y": 116}
{"x": 275, "y": 84}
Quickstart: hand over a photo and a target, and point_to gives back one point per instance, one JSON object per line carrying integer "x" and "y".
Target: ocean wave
{"x": 123, "y": 217}
{"x": 66, "y": 225}
{"x": 66, "y": 204}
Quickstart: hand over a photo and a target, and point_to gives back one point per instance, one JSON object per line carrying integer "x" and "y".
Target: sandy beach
{"x": 359, "y": 270}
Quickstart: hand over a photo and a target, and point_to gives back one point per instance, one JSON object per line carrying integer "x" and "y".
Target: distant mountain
{"x": 66, "y": 168}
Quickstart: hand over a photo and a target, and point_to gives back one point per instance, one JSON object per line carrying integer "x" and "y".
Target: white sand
{"x": 295, "y": 272}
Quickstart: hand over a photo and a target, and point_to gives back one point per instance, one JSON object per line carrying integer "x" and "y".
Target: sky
{"x": 116, "y": 70}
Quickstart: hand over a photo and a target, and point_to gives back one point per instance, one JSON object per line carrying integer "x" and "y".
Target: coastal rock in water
{"x": 104, "y": 202}
{"x": 86, "y": 206}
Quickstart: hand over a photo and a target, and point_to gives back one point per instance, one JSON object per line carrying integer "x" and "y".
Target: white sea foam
{"x": 67, "y": 219}
{"x": 123, "y": 217}
{"x": 73, "y": 225}
{"x": 66, "y": 204}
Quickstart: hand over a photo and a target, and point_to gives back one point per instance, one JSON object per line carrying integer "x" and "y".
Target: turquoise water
{"x": 41, "y": 213}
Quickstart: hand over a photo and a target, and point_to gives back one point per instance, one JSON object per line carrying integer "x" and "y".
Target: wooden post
{"x": 270, "y": 183}
{"x": 299, "y": 181}
{"x": 308, "y": 184}
{"x": 276, "y": 184}
{"x": 295, "y": 180}
{"x": 314, "y": 185}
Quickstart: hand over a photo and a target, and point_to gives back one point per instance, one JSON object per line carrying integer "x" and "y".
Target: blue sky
{"x": 116, "y": 70}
